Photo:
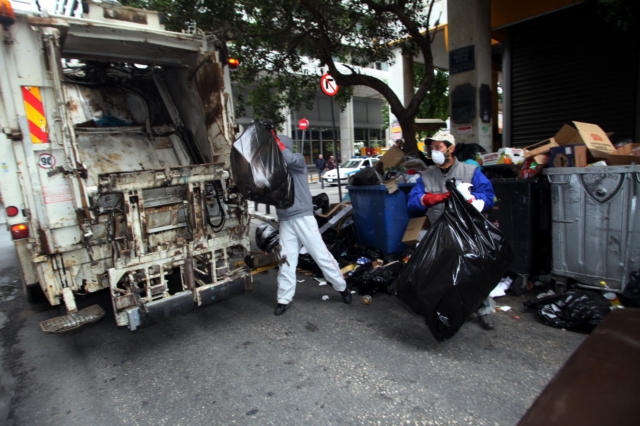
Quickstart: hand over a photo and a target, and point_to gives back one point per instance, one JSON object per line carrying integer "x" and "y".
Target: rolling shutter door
{"x": 571, "y": 66}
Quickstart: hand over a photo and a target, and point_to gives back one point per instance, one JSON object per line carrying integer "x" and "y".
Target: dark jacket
{"x": 320, "y": 163}
{"x": 331, "y": 164}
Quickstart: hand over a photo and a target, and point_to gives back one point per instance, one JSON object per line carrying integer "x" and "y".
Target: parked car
{"x": 347, "y": 169}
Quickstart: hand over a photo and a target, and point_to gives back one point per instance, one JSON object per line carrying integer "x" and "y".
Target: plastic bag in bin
{"x": 454, "y": 268}
{"x": 259, "y": 169}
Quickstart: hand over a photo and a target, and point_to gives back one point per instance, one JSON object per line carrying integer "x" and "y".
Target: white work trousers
{"x": 298, "y": 232}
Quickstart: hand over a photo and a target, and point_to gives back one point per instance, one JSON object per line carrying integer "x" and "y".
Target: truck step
{"x": 72, "y": 321}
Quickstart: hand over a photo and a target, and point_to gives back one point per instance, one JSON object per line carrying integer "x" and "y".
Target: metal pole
{"x": 333, "y": 125}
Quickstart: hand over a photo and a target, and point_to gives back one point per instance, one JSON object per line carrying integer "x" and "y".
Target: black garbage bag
{"x": 575, "y": 309}
{"x": 352, "y": 254}
{"x": 631, "y": 295}
{"x": 468, "y": 151}
{"x": 321, "y": 201}
{"x": 259, "y": 169}
{"x": 454, "y": 268}
{"x": 267, "y": 237}
{"x": 306, "y": 263}
{"x": 366, "y": 176}
{"x": 369, "y": 280}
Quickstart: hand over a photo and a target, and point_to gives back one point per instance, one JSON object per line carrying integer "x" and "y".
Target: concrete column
{"x": 470, "y": 30}
{"x": 346, "y": 131}
{"x": 286, "y": 126}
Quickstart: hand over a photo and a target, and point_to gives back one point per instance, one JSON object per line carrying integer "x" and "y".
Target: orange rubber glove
{"x": 430, "y": 200}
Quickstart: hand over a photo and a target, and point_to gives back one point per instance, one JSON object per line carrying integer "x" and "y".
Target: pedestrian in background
{"x": 320, "y": 165}
{"x": 331, "y": 164}
{"x": 298, "y": 228}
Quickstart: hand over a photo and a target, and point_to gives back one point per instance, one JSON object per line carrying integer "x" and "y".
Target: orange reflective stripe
{"x": 35, "y": 114}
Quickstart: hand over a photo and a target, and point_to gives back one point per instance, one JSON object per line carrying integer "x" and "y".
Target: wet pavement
{"x": 322, "y": 362}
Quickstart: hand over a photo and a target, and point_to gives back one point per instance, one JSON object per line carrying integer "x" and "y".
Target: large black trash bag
{"x": 259, "y": 169}
{"x": 321, "y": 201}
{"x": 454, "y": 268}
{"x": 575, "y": 309}
{"x": 369, "y": 280}
{"x": 267, "y": 237}
{"x": 468, "y": 151}
{"x": 366, "y": 176}
{"x": 631, "y": 295}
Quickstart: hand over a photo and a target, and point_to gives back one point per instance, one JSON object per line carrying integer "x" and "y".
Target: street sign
{"x": 303, "y": 124}
{"x": 328, "y": 85}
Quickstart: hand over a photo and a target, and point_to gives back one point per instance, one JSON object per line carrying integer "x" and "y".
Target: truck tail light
{"x": 12, "y": 211}
{"x": 233, "y": 63}
{"x": 19, "y": 231}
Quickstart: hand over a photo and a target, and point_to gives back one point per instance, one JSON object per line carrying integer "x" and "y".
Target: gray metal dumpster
{"x": 595, "y": 224}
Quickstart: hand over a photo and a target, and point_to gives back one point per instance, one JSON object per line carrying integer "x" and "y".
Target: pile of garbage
{"x": 445, "y": 279}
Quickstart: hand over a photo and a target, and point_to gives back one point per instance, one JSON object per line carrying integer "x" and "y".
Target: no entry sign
{"x": 303, "y": 124}
{"x": 328, "y": 85}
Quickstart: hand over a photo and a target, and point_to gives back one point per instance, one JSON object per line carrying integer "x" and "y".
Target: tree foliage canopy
{"x": 281, "y": 44}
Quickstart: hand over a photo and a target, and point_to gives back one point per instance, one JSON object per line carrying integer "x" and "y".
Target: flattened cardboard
{"x": 622, "y": 156}
{"x": 392, "y": 184}
{"x": 568, "y": 156}
{"x": 598, "y": 144}
{"x": 539, "y": 148}
{"x": 393, "y": 157}
{"x": 414, "y": 227}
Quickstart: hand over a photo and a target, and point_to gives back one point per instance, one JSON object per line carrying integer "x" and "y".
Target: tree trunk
{"x": 408, "y": 134}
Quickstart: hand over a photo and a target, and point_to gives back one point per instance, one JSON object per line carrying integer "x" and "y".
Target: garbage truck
{"x": 115, "y": 163}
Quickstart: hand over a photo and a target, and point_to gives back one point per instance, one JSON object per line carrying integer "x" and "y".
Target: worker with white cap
{"x": 429, "y": 193}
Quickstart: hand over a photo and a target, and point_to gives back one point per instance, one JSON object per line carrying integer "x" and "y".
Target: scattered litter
{"x": 325, "y": 297}
{"x": 300, "y": 281}
{"x": 579, "y": 309}
{"x": 366, "y": 299}
{"x": 321, "y": 282}
{"x": 504, "y": 308}
{"x": 353, "y": 292}
{"x": 548, "y": 293}
{"x": 501, "y": 288}
{"x": 515, "y": 317}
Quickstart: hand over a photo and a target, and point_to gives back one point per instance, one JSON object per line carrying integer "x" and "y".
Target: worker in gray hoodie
{"x": 298, "y": 228}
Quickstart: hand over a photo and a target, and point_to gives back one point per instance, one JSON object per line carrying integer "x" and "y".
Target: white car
{"x": 347, "y": 169}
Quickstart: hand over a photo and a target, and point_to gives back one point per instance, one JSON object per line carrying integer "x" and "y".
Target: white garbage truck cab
{"x": 114, "y": 169}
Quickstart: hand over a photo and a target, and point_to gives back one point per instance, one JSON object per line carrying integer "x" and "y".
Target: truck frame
{"x": 116, "y": 137}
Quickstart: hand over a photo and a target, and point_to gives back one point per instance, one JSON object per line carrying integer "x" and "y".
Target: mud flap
{"x": 72, "y": 321}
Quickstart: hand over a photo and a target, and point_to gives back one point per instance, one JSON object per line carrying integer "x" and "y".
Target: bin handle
{"x": 564, "y": 221}
{"x": 557, "y": 182}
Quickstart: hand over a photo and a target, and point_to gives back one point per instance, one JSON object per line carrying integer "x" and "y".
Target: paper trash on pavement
{"x": 501, "y": 288}
{"x": 325, "y": 297}
{"x": 321, "y": 282}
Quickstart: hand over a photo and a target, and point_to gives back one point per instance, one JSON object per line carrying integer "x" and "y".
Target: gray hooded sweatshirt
{"x": 303, "y": 205}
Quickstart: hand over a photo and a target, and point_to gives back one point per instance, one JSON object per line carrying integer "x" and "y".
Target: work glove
{"x": 430, "y": 199}
{"x": 278, "y": 141}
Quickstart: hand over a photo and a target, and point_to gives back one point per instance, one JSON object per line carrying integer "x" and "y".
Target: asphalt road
{"x": 322, "y": 362}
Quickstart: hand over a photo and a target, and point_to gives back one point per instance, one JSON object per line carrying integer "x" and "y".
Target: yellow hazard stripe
{"x": 34, "y": 110}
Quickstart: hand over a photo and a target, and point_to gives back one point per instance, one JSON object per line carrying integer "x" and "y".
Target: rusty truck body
{"x": 115, "y": 171}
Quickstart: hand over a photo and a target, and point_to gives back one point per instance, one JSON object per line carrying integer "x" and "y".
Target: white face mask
{"x": 437, "y": 157}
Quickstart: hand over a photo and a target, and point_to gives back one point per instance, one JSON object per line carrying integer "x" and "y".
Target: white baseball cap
{"x": 444, "y": 136}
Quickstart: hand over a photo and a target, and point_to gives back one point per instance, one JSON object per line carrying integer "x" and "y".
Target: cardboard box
{"x": 623, "y": 157}
{"x": 392, "y": 184}
{"x": 507, "y": 156}
{"x": 568, "y": 156}
{"x": 539, "y": 148}
{"x": 598, "y": 144}
{"x": 393, "y": 157}
{"x": 412, "y": 232}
